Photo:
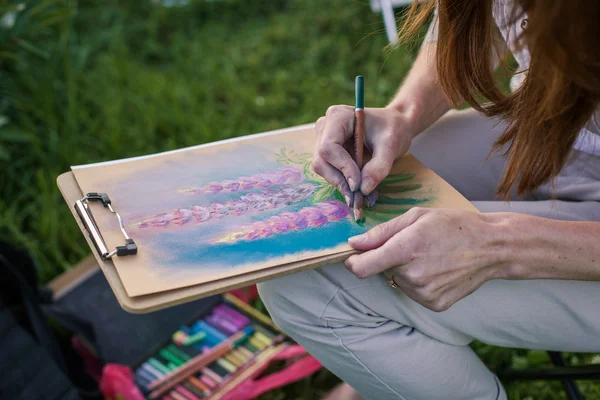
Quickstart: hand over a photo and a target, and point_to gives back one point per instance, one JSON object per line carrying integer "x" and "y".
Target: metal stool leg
{"x": 570, "y": 386}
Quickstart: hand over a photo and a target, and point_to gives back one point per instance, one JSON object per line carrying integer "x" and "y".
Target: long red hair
{"x": 560, "y": 92}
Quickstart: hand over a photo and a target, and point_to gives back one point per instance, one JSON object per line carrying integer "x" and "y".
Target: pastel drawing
{"x": 268, "y": 214}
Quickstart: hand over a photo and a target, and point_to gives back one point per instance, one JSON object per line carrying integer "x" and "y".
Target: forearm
{"x": 420, "y": 98}
{"x": 539, "y": 248}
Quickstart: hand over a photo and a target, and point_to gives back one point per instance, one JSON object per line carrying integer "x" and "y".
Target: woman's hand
{"x": 388, "y": 136}
{"x": 435, "y": 256}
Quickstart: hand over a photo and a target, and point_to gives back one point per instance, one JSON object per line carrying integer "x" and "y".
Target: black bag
{"x": 36, "y": 362}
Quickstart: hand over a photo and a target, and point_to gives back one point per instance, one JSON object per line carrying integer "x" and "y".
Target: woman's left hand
{"x": 435, "y": 256}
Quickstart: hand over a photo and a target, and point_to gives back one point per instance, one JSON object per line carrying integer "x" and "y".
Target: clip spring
{"x": 85, "y": 214}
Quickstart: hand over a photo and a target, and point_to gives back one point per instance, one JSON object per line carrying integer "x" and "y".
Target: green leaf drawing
{"x": 399, "y": 189}
{"x": 323, "y": 193}
{"x": 387, "y": 200}
{"x": 389, "y": 211}
{"x": 289, "y": 157}
{"x": 392, "y": 179}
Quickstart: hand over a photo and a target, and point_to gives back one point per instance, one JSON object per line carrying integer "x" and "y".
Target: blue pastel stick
{"x": 211, "y": 331}
{"x": 152, "y": 370}
{"x": 143, "y": 381}
{"x": 145, "y": 374}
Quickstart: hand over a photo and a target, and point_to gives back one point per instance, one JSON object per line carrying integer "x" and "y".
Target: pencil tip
{"x": 357, "y": 214}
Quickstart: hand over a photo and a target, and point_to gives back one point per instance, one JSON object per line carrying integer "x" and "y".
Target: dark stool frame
{"x": 561, "y": 371}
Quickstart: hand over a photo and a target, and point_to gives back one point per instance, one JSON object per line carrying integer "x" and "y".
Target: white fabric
{"x": 588, "y": 139}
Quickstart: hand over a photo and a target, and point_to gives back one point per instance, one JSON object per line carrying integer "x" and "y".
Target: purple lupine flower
{"x": 246, "y": 183}
{"x": 334, "y": 210}
{"x": 266, "y": 199}
{"x": 281, "y": 176}
{"x": 231, "y": 186}
{"x": 297, "y": 221}
{"x": 182, "y": 216}
{"x": 201, "y": 213}
{"x": 237, "y": 207}
{"x": 218, "y": 210}
{"x": 313, "y": 216}
{"x": 279, "y": 224}
{"x": 213, "y": 187}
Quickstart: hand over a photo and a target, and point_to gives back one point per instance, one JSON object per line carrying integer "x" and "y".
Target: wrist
{"x": 410, "y": 112}
{"x": 505, "y": 246}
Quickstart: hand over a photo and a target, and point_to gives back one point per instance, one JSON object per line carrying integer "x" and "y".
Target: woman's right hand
{"x": 388, "y": 136}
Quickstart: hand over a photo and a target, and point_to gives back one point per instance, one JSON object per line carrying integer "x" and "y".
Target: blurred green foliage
{"x": 94, "y": 80}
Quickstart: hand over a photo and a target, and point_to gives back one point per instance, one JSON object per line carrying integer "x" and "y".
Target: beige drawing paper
{"x": 215, "y": 211}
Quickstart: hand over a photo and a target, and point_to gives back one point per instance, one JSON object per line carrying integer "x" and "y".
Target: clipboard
{"x": 147, "y": 303}
{"x": 144, "y": 303}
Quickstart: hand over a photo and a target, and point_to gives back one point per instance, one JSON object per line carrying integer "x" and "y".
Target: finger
{"x": 339, "y": 158}
{"x": 319, "y": 125}
{"x": 337, "y": 131}
{"x": 382, "y": 233}
{"x": 379, "y": 166}
{"x": 334, "y": 177}
{"x": 371, "y": 199}
{"x": 375, "y": 261}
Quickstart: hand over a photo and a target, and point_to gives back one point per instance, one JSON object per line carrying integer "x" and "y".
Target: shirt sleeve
{"x": 432, "y": 32}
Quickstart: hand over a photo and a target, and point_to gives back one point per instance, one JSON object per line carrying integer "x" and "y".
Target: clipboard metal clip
{"x": 85, "y": 214}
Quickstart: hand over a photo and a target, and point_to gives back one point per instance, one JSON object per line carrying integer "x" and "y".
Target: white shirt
{"x": 588, "y": 139}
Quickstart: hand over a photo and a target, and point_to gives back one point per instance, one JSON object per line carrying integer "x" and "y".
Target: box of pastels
{"x": 222, "y": 355}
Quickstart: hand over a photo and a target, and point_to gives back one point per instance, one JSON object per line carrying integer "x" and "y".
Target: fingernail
{"x": 347, "y": 200}
{"x": 352, "y": 184}
{"x": 367, "y": 185}
{"x": 357, "y": 239}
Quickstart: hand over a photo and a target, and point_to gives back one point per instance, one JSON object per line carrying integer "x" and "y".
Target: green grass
{"x": 101, "y": 80}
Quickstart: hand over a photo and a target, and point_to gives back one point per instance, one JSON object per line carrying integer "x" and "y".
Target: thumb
{"x": 380, "y": 234}
{"x": 377, "y": 168}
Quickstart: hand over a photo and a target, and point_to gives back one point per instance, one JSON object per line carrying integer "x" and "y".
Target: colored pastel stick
{"x": 164, "y": 384}
{"x": 177, "y": 396}
{"x": 144, "y": 374}
{"x": 227, "y": 365}
{"x": 201, "y": 386}
{"x": 158, "y": 365}
{"x": 208, "y": 382}
{"x": 256, "y": 343}
{"x": 179, "y": 337}
{"x": 177, "y": 352}
{"x": 167, "y": 397}
{"x": 245, "y": 352}
{"x": 156, "y": 373}
{"x": 235, "y": 358}
{"x": 262, "y": 338}
{"x": 171, "y": 366}
{"x": 210, "y": 330}
{"x": 253, "y": 349}
{"x": 193, "y": 388}
{"x": 264, "y": 331}
{"x": 195, "y": 338}
{"x": 222, "y": 324}
{"x": 212, "y": 374}
{"x": 171, "y": 357}
{"x": 240, "y": 323}
{"x": 189, "y": 395}
{"x": 143, "y": 381}
{"x": 235, "y": 314}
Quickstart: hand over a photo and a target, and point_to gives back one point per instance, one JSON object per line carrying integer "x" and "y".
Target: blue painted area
{"x": 259, "y": 250}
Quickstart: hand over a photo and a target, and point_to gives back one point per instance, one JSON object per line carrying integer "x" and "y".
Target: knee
{"x": 296, "y": 300}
